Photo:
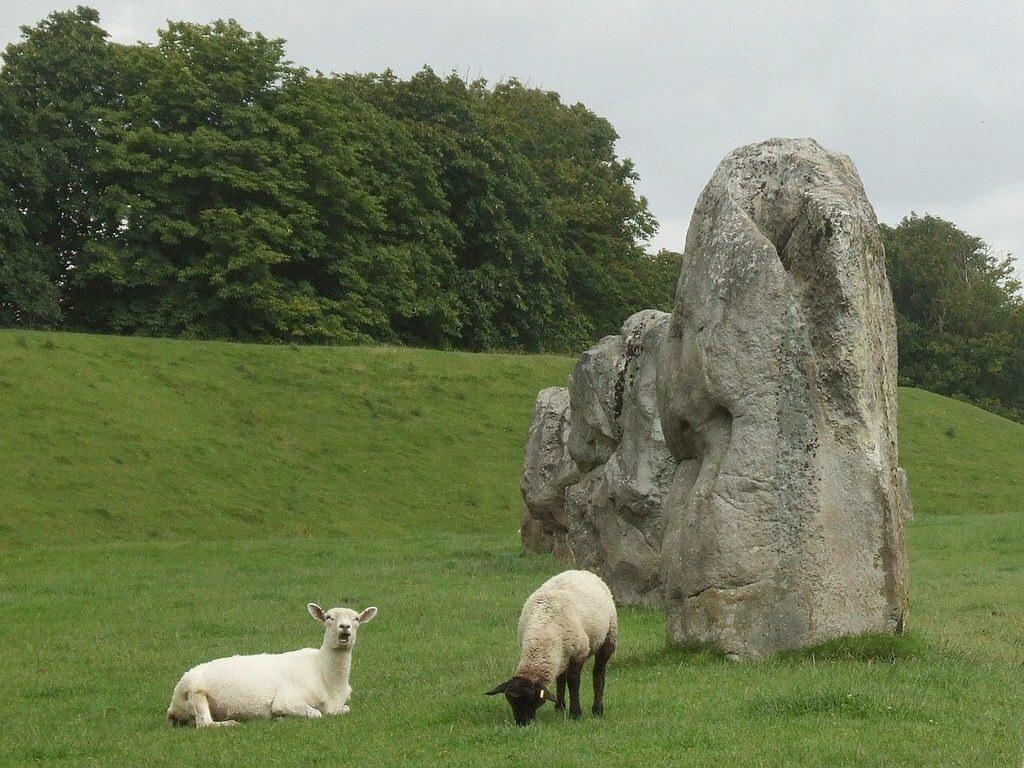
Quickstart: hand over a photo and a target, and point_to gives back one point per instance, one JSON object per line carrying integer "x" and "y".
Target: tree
{"x": 204, "y": 186}
{"x": 52, "y": 87}
{"x": 382, "y": 213}
{"x": 960, "y": 315}
{"x": 202, "y": 218}
{"x": 599, "y": 220}
{"x": 28, "y": 273}
{"x": 549, "y": 223}
{"x": 509, "y": 276}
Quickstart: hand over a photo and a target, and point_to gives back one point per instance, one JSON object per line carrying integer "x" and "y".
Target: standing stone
{"x": 547, "y": 470}
{"x": 605, "y": 513}
{"x": 776, "y": 387}
{"x": 593, "y": 384}
{"x": 904, "y": 485}
{"x": 614, "y": 511}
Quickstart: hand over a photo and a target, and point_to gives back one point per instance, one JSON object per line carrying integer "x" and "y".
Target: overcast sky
{"x": 927, "y": 98}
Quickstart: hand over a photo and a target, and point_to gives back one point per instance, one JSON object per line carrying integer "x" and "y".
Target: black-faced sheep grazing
{"x": 570, "y": 618}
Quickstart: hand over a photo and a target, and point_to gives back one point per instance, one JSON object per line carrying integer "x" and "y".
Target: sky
{"x": 926, "y": 98}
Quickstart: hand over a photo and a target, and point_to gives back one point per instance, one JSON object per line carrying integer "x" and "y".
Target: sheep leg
{"x": 604, "y": 652}
{"x": 560, "y": 691}
{"x": 201, "y": 709}
{"x": 335, "y": 709}
{"x": 572, "y": 677}
{"x": 285, "y": 708}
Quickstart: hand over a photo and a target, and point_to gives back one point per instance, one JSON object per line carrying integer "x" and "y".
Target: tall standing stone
{"x": 776, "y": 387}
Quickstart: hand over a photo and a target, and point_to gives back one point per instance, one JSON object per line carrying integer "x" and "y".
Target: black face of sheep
{"x": 524, "y": 697}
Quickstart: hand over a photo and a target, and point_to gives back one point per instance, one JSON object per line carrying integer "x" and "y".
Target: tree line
{"x": 959, "y": 314}
{"x": 205, "y": 187}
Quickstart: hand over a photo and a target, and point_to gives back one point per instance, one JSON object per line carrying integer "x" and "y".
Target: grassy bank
{"x": 164, "y": 502}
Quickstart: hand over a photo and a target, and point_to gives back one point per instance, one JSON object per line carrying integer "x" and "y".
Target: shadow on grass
{"x": 667, "y": 656}
{"x": 887, "y": 649}
{"x": 872, "y": 649}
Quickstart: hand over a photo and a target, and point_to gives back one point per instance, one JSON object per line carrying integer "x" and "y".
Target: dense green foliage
{"x": 959, "y": 312}
{"x": 164, "y": 502}
{"x": 205, "y": 187}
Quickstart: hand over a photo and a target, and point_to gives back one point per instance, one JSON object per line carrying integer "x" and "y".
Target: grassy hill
{"x": 112, "y": 439}
{"x": 164, "y": 502}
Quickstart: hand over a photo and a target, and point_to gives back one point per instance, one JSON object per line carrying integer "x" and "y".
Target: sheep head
{"x": 340, "y": 624}
{"x": 524, "y": 696}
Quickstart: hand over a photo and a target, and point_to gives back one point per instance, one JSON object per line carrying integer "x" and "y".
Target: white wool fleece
{"x": 568, "y": 618}
{"x": 307, "y": 683}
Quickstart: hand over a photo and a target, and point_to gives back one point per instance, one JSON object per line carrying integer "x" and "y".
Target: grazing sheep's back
{"x": 577, "y": 603}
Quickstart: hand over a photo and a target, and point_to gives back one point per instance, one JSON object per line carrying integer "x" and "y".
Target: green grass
{"x": 119, "y": 439}
{"x": 166, "y": 502}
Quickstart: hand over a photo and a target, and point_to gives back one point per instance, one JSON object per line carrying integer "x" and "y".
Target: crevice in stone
{"x": 634, "y": 345}
{"x": 722, "y": 588}
{"x": 782, "y": 241}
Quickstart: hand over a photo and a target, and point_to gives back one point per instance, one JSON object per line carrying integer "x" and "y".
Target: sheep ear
{"x": 367, "y": 614}
{"x": 316, "y": 612}
{"x": 498, "y": 689}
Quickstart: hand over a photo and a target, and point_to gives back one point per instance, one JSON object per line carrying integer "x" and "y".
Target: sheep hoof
{"x": 345, "y": 710}
{"x": 214, "y": 723}
{"x": 598, "y": 709}
{"x": 560, "y": 706}
{"x": 575, "y": 713}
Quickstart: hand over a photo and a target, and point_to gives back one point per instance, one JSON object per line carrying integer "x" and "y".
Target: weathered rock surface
{"x": 547, "y": 471}
{"x": 736, "y": 462}
{"x": 600, "y": 505}
{"x": 904, "y": 485}
{"x": 776, "y": 387}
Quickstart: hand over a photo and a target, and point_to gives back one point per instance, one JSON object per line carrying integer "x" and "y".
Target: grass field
{"x": 165, "y": 502}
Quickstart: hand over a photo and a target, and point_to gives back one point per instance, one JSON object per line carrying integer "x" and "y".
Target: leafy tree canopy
{"x": 959, "y": 313}
{"x": 204, "y": 186}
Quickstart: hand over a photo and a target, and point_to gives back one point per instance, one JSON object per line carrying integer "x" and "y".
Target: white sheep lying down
{"x": 306, "y": 683}
{"x": 568, "y": 619}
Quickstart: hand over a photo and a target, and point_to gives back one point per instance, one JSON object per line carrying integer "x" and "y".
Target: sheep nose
{"x": 345, "y": 626}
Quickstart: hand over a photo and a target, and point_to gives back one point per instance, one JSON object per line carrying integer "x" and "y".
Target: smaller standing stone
{"x": 547, "y": 471}
{"x": 595, "y": 497}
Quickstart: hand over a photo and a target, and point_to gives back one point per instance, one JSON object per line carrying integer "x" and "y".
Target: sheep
{"x": 570, "y": 618}
{"x": 306, "y": 683}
